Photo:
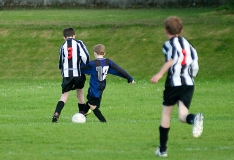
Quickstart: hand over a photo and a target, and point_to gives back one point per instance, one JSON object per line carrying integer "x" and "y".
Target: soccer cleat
{"x": 89, "y": 112}
{"x": 198, "y": 125}
{"x": 55, "y": 118}
{"x": 161, "y": 154}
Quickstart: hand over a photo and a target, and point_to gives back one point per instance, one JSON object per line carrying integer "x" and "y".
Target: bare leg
{"x": 97, "y": 113}
{"x": 60, "y": 106}
{"x": 183, "y": 112}
{"x": 64, "y": 97}
{"x": 166, "y": 116}
{"x": 80, "y": 96}
{"x": 165, "y": 127}
{"x": 81, "y": 101}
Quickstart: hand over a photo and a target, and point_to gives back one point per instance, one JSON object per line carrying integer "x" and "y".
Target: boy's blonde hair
{"x": 173, "y": 25}
{"x": 99, "y": 49}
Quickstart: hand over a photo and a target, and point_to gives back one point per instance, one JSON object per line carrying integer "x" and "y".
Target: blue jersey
{"x": 98, "y": 70}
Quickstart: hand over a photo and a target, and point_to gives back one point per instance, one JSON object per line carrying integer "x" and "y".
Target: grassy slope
{"x": 31, "y": 39}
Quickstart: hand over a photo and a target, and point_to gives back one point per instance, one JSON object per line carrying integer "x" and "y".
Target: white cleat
{"x": 161, "y": 154}
{"x": 198, "y": 125}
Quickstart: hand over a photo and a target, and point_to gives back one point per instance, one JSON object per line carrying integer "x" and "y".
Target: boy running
{"x": 98, "y": 70}
{"x": 73, "y": 54}
{"x": 181, "y": 66}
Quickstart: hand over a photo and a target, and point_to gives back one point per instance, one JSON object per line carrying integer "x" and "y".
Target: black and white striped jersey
{"x": 72, "y": 54}
{"x": 185, "y": 62}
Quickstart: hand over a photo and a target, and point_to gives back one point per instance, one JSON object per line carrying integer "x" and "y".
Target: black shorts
{"x": 172, "y": 95}
{"x": 72, "y": 83}
{"x": 94, "y": 101}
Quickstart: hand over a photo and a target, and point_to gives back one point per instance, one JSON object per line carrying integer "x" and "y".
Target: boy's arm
{"x": 84, "y": 54}
{"x": 86, "y": 69}
{"x": 118, "y": 71}
{"x": 194, "y": 65}
{"x": 165, "y": 68}
{"x": 60, "y": 65}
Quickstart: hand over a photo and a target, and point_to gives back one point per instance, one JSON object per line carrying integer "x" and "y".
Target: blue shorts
{"x": 172, "y": 95}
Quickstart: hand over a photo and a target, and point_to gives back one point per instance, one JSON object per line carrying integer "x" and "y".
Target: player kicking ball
{"x": 98, "y": 70}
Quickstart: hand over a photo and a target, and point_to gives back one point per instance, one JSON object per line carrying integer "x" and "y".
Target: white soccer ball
{"x": 78, "y": 118}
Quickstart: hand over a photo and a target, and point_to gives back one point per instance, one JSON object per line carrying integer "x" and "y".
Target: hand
{"x": 156, "y": 78}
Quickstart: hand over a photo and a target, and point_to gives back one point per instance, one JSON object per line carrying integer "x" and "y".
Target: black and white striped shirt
{"x": 72, "y": 54}
{"x": 185, "y": 62}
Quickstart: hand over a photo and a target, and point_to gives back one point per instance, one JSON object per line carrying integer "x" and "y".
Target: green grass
{"x": 133, "y": 115}
{"x": 30, "y": 86}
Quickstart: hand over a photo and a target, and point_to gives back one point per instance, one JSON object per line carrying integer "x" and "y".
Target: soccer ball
{"x": 78, "y": 118}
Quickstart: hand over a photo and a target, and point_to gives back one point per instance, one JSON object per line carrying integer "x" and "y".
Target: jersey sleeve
{"x": 167, "y": 50}
{"x": 60, "y": 64}
{"x": 84, "y": 54}
{"x": 118, "y": 71}
{"x": 194, "y": 65}
{"x": 86, "y": 69}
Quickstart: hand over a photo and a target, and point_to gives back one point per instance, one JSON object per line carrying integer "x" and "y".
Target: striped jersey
{"x": 185, "y": 62}
{"x": 73, "y": 54}
{"x": 98, "y": 70}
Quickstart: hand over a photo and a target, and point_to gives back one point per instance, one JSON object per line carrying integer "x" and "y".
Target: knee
{"x": 92, "y": 106}
{"x": 182, "y": 118}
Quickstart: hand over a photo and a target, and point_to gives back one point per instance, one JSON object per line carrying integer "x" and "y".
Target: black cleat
{"x": 55, "y": 118}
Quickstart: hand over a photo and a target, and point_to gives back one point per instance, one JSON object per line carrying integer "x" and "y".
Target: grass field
{"x": 30, "y": 86}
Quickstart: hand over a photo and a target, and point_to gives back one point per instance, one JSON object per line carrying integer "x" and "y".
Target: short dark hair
{"x": 68, "y": 32}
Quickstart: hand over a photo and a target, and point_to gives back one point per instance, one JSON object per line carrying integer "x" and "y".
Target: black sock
{"x": 86, "y": 108}
{"x": 59, "y": 107}
{"x": 190, "y": 118}
{"x": 81, "y": 108}
{"x": 163, "y": 138}
{"x": 99, "y": 115}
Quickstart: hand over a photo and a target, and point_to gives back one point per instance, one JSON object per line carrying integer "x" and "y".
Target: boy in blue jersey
{"x": 73, "y": 53}
{"x": 98, "y": 70}
{"x": 181, "y": 66}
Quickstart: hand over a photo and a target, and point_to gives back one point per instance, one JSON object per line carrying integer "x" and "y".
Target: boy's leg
{"x": 80, "y": 96}
{"x": 184, "y": 102}
{"x": 78, "y": 85}
{"x": 81, "y": 108}
{"x": 162, "y": 150}
{"x": 166, "y": 116}
{"x": 64, "y": 97}
{"x": 195, "y": 120}
{"x": 60, "y": 106}
{"x": 164, "y": 129}
{"x": 97, "y": 113}
{"x": 81, "y": 101}
{"x": 183, "y": 113}
{"x": 86, "y": 108}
